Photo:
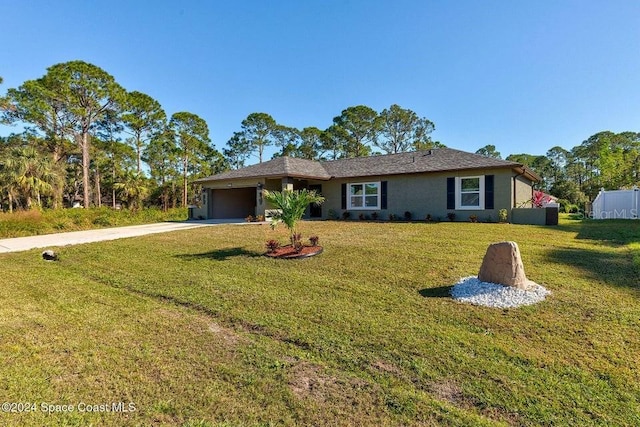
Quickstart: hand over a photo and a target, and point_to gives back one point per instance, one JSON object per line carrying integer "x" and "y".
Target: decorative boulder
{"x": 502, "y": 264}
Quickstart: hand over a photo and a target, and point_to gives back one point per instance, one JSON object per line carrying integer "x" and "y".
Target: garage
{"x": 232, "y": 203}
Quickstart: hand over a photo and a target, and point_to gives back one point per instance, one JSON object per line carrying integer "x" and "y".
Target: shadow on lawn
{"x": 440, "y": 292}
{"x": 222, "y": 254}
{"x": 612, "y": 268}
{"x": 616, "y": 268}
{"x": 611, "y": 231}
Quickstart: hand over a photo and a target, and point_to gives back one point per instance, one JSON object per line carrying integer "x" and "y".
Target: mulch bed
{"x": 288, "y": 252}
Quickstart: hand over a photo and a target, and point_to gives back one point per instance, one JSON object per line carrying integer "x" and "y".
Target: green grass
{"x": 196, "y": 328}
{"x": 35, "y": 222}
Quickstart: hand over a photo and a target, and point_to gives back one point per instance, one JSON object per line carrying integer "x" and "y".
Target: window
{"x": 364, "y": 195}
{"x": 470, "y": 192}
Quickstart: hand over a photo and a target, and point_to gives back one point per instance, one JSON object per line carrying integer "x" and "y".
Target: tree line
{"x": 358, "y": 131}
{"x": 605, "y": 160}
{"x": 87, "y": 139}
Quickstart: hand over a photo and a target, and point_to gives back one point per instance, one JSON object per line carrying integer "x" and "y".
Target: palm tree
{"x": 28, "y": 174}
{"x": 8, "y": 186}
{"x": 291, "y": 206}
{"x": 134, "y": 188}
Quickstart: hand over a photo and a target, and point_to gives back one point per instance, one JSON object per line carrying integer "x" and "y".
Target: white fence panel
{"x": 616, "y": 204}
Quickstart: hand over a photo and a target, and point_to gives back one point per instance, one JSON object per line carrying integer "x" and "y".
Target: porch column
{"x": 287, "y": 184}
{"x": 260, "y": 202}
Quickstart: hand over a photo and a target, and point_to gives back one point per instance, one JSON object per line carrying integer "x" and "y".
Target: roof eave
{"x": 530, "y": 174}
{"x": 260, "y": 176}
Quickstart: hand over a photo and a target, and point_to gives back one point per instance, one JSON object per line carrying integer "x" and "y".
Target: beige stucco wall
{"x": 523, "y": 192}
{"x": 421, "y": 194}
{"x": 425, "y": 194}
{"x": 530, "y": 216}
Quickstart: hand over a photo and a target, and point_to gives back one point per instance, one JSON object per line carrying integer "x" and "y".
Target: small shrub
{"x": 332, "y": 214}
{"x": 539, "y": 199}
{"x": 569, "y": 208}
{"x": 502, "y": 215}
{"x": 314, "y": 240}
{"x": 249, "y": 218}
{"x": 374, "y": 216}
{"x": 451, "y": 216}
{"x": 428, "y": 218}
{"x": 346, "y": 215}
{"x": 473, "y": 218}
{"x": 361, "y": 217}
{"x": 260, "y": 218}
{"x": 407, "y": 216}
{"x": 393, "y": 217}
{"x": 272, "y": 245}
{"x": 102, "y": 220}
{"x": 61, "y": 225}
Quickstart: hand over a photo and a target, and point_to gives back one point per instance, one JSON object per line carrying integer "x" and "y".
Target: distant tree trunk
{"x": 83, "y": 141}
{"x": 174, "y": 198}
{"x": 10, "y": 202}
{"x": 58, "y": 190}
{"x": 98, "y": 189}
{"x": 165, "y": 196}
{"x": 113, "y": 189}
{"x": 185, "y": 189}
{"x": 139, "y": 153}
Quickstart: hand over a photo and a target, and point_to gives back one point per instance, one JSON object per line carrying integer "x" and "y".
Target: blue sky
{"x": 522, "y": 75}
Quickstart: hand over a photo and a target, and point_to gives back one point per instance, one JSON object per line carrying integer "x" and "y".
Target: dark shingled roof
{"x": 278, "y": 167}
{"x": 434, "y": 160}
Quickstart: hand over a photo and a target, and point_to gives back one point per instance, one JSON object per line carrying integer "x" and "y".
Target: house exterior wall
{"x": 423, "y": 194}
{"x": 420, "y": 194}
{"x": 535, "y": 216}
{"x": 523, "y": 191}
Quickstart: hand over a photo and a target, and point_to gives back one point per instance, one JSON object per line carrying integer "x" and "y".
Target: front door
{"x": 315, "y": 211}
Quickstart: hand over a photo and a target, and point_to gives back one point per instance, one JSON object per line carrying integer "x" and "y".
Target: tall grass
{"x": 34, "y": 222}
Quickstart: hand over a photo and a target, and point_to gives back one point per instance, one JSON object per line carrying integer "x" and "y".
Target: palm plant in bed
{"x": 290, "y": 207}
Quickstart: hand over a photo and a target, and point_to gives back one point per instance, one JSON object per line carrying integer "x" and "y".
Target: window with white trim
{"x": 470, "y": 192}
{"x": 364, "y": 195}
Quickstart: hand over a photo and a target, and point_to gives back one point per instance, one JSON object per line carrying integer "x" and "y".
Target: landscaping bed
{"x": 289, "y": 252}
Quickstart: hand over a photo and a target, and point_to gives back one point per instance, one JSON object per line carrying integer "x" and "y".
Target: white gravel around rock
{"x": 473, "y": 291}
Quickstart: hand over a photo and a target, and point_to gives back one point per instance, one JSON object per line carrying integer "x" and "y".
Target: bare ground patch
{"x": 227, "y": 335}
{"x": 339, "y": 398}
{"x": 307, "y": 380}
{"x": 387, "y": 368}
{"x": 450, "y": 391}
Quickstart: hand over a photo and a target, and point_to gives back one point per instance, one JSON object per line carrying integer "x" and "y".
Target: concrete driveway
{"x": 18, "y": 244}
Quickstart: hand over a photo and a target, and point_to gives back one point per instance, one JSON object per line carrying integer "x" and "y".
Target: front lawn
{"x": 197, "y": 328}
